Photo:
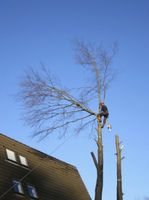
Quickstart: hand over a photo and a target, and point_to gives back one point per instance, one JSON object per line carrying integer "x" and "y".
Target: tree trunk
{"x": 119, "y": 175}
{"x": 99, "y": 181}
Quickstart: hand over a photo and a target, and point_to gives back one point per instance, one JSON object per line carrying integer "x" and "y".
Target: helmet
{"x": 101, "y": 103}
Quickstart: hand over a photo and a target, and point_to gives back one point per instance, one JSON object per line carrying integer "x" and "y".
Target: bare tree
{"x": 49, "y": 107}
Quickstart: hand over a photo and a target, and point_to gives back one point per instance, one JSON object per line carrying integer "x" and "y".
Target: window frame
{"x": 16, "y": 185}
{"x": 31, "y": 195}
{"x": 9, "y": 157}
{"x": 21, "y": 163}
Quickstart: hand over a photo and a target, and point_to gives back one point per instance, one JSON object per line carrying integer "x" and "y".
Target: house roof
{"x": 54, "y": 178}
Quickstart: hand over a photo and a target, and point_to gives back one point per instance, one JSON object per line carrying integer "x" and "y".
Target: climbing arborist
{"x": 103, "y": 112}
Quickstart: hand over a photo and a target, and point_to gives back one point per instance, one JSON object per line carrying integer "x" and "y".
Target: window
{"x": 32, "y": 191}
{"x": 23, "y": 160}
{"x": 11, "y": 155}
{"x": 17, "y": 186}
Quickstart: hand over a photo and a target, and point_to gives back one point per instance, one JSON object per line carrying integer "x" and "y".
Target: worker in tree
{"x": 103, "y": 113}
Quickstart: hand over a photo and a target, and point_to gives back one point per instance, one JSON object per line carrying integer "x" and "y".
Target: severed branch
{"x": 94, "y": 159}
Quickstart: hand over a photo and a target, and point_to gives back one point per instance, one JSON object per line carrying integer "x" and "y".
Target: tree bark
{"x": 119, "y": 173}
{"x": 99, "y": 181}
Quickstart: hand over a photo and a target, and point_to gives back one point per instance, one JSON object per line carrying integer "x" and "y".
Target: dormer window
{"x": 11, "y": 155}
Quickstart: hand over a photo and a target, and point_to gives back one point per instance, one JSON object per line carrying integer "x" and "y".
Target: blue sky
{"x": 34, "y": 31}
